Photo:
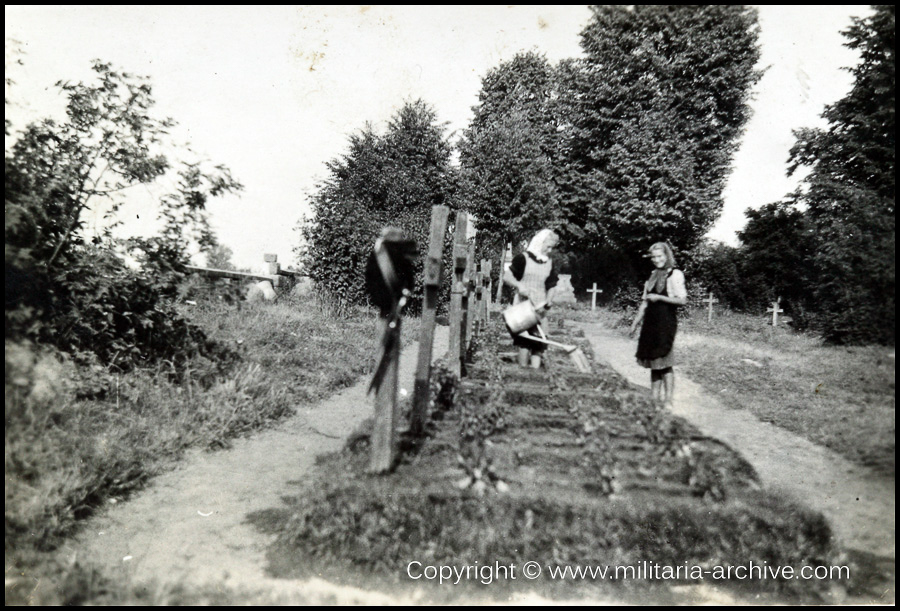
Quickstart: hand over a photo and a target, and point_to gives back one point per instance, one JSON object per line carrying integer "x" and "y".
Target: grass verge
{"x": 76, "y": 439}
{"x": 840, "y": 397}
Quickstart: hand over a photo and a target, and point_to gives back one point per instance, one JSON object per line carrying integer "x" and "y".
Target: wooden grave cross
{"x": 775, "y": 310}
{"x": 432, "y": 284}
{"x": 470, "y": 309}
{"x": 595, "y": 291}
{"x": 711, "y": 299}
{"x": 505, "y": 259}
{"x": 457, "y": 292}
{"x": 487, "y": 268}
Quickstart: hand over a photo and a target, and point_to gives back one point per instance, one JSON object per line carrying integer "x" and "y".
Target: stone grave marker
{"x": 565, "y": 293}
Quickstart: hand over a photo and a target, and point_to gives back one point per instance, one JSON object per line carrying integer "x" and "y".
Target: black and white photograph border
{"x": 170, "y": 172}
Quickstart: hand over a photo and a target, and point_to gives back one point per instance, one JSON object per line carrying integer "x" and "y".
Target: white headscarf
{"x": 538, "y": 244}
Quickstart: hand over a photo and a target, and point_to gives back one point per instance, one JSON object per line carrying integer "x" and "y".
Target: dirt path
{"x": 858, "y": 502}
{"x": 189, "y": 526}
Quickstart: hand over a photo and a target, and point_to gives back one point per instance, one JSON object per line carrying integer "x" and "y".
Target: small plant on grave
{"x": 478, "y": 422}
{"x": 705, "y": 477}
{"x": 558, "y": 382}
{"x": 663, "y": 431}
{"x": 495, "y": 369}
{"x": 473, "y": 348}
{"x": 480, "y": 474}
{"x": 600, "y": 464}
{"x": 443, "y": 389}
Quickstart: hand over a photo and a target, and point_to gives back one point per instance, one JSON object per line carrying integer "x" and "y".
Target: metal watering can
{"x": 524, "y": 315}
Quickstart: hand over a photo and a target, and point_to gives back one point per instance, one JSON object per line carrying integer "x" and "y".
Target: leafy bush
{"x": 716, "y": 267}
{"x": 390, "y": 180}
{"x": 850, "y": 195}
{"x": 95, "y": 304}
{"x": 71, "y": 290}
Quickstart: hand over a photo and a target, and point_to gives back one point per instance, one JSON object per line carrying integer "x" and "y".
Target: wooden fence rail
{"x": 276, "y": 275}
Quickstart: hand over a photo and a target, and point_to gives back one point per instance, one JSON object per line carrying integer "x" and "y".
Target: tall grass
{"x": 76, "y": 437}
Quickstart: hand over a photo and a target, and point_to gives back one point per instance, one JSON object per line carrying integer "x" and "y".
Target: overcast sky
{"x": 273, "y": 92}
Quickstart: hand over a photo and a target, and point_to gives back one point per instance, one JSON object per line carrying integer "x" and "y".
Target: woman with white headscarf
{"x": 533, "y": 276}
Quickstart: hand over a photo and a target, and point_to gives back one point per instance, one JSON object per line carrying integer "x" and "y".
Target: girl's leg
{"x": 524, "y": 354}
{"x": 656, "y": 384}
{"x": 668, "y": 379}
{"x": 535, "y": 360}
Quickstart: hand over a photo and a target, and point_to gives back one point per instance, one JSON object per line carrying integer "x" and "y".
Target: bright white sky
{"x": 273, "y": 92}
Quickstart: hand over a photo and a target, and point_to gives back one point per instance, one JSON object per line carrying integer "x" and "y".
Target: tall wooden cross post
{"x": 775, "y": 310}
{"x": 487, "y": 268}
{"x": 384, "y": 427}
{"x": 505, "y": 259}
{"x": 468, "y": 300}
{"x": 386, "y": 279}
{"x": 432, "y": 283}
{"x": 711, "y": 299}
{"x": 595, "y": 291}
{"x": 479, "y": 299}
{"x": 457, "y": 322}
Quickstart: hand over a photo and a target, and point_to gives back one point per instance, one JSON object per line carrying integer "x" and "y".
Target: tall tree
{"x": 507, "y": 153}
{"x": 392, "y": 179}
{"x": 651, "y": 118}
{"x": 850, "y": 194}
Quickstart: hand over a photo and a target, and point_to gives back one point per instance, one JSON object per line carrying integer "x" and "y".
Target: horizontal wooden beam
{"x": 227, "y": 273}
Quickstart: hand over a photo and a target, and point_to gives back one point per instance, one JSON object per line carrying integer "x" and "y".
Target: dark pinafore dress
{"x": 655, "y": 345}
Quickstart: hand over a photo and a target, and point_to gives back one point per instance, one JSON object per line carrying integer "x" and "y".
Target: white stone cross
{"x": 775, "y": 310}
{"x": 594, "y": 290}
{"x": 710, "y": 300}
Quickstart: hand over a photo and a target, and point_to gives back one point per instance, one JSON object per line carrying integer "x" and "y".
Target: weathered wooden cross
{"x": 711, "y": 299}
{"x": 594, "y": 290}
{"x": 469, "y": 309}
{"x": 432, "y": 283}
{"x": 458, "y": 296}
{"x": 775, "y": 310}
{"x": 487, "y": 267}
{"x": 505, "y": 259}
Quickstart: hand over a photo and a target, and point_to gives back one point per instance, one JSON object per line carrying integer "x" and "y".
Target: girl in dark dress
{"x": 663, "y": 293}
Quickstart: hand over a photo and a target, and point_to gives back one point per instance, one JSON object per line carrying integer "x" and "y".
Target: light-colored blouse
{"x": 675, "y": 286}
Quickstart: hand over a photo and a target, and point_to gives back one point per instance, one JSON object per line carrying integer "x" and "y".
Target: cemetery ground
{"x": 188, "y": 538}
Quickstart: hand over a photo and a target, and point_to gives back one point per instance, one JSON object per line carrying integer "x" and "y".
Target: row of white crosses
{"x": 710, "y": 300}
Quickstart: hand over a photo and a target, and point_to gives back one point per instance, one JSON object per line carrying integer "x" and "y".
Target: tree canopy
{"x": 849, "y": 194}
{"x": 391, "y": 179}
{"x": 630, "y": 145}
{"x": 652, "y": 117}
{"x": 507, "y": 171}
